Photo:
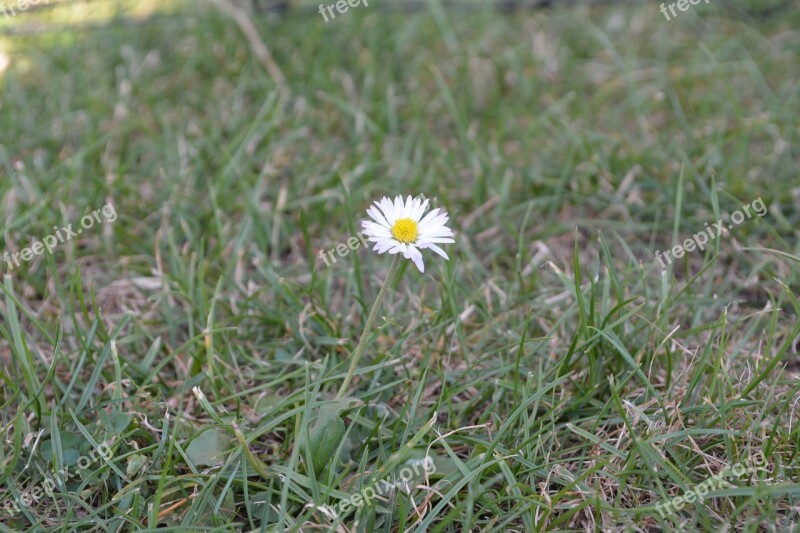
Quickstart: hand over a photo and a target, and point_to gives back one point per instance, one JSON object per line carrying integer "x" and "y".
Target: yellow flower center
{"x": 405, "y": 230}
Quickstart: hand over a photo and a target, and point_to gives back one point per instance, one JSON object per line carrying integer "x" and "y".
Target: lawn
{"x": 194, "y": 337}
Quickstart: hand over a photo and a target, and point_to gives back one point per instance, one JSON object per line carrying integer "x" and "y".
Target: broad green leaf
{"x": 326, "y": 434}
{"x": 209, "y": 448}
{"x": 115, "y": 423}
{"x": 135, "y": 463}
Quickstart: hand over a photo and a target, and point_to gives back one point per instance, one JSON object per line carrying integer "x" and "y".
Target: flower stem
{"x": 362, "y": 342}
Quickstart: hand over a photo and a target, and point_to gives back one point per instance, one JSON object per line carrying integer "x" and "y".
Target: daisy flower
{"x": 398, "y": 227}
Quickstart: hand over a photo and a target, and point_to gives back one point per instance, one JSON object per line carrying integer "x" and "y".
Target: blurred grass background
{"x": 577, "y": 384}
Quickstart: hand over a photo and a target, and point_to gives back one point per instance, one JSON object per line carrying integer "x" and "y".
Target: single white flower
{"x": 398, "y": 227}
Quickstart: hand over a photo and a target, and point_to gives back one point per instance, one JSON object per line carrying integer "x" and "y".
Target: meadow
{"x": 209, "y": 360}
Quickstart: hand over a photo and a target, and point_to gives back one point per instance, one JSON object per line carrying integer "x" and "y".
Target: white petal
{"x": 372, "y": 228}
{"x": 426, "y": 235}
{"x": 380, "y": 246}
{"x": 378, "y": 238}
{"x": 383, "y": 246}
{"x": 414, "y": 206}
{"x": 430, "y": 216}
{"x": 407, "y": 208}
{"x": 376, "y": 215}
{"x": 372, "y": 224}
{"x": 429, "y": 228}
{"x": 398, "y": 207}
{"x": 388, "y": 210}
{"x": 435, "y": 239}
{"x": 415, "y": 209}
{"x": 434, "y": 248}
{"x": 440, "y": 220}
{"x": 429, "y": 237}
{"x": 421, "y": 209}
{"x": 416, "y": 256}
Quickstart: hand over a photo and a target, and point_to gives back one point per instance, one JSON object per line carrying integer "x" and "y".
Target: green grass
{"x": 559, "y": 379}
